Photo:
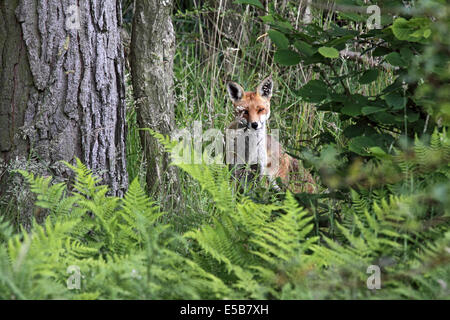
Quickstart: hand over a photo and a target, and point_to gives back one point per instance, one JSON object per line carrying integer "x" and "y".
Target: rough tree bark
{"x": 152, "y": 52}
{"x": 62, "y": 89}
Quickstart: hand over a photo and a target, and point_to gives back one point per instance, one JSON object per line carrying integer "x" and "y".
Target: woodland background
{"x": 91, "y": 208}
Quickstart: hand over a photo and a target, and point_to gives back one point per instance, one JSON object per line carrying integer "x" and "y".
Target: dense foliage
{"x": 243, "y": 250}
{"x": 379, "y": 147}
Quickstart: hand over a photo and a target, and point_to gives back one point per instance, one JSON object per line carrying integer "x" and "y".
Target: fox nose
{"x": 255, "y": 125}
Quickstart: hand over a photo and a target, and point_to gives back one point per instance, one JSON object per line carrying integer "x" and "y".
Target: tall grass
{"x": 209, "y": 54}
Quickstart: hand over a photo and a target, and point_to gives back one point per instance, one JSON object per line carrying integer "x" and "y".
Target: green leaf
{"x": 337, "y": 31}
{"x": 279, "y": 39}
{"x": 380, "y": 51}
{"x": 353, "y": 131}
{"x": 413, "y": 30}
{"x": 304, "y": 48}
{"x": 395, "y": 101}
{"x": 384, "y": 117}
{"x": 353, "y": 105}
{"x": 339, "y": 41}
{"x": 287, "y": 57}
{"x": 352, "y": 16}
{"x": 395, "y": 59}
{"x": 329, "y": 106}
{"x": 314, "y": 91}
{"x": 360, "y": 145}
{"x": 412, "y": 116}
{"x": 369, "y": 76}
{"x": 370, "y": 110}
{"x": 255, "y": 3}
{"x": 284, "y": 26}
{"x": 383, "y": 140}
{"x": 351, "y": 110}
{"x": 378, "y": 152}
{"x": 267, "y": 19}
{"x": 406, "y": 54}
{"x": 329, "y": 52}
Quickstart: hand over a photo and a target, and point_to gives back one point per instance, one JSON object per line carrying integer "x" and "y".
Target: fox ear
{"x": 235, "y": 91}
{"x": 265, "y": 88}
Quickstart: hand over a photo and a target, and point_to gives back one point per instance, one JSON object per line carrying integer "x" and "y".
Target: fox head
{"x": 252, "y": 108}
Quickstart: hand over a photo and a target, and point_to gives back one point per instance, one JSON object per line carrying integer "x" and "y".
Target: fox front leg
{"x": 262, "y": 155}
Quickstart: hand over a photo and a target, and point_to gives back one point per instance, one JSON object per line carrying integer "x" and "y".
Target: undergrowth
{"x": 121, "y": 248}
{"x": 381, "y": 206}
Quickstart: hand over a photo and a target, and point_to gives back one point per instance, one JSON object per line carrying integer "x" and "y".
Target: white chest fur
{"x": 247, "y": 148}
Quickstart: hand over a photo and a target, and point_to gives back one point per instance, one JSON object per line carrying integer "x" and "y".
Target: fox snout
{"x": 255, "y": 125}
{"x": 257, "y": 118}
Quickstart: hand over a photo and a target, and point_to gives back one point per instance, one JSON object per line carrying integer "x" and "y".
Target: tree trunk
{"x": 62, "y": 89}
{"x": 152, "y": 52}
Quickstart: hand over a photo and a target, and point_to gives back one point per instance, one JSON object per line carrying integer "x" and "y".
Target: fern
{"x": 253, "y": 242}
{"x": 117, "y": 242}
{"x": 245, "y": 248}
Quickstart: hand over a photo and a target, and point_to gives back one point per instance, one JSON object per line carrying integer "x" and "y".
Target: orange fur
{"x": 254, "y": 107}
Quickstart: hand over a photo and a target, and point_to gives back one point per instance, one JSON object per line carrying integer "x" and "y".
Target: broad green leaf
{"x": 255, "y": 3}
{"x": 406, "y": 54}
{"x": 339, "y": 41}
{"x": 369, "y": 76}
{"x": 267, "y": 19}
{"x": 393, "y": 87}
{"x": 370, "y": 110}
{"x": 284, "y": 26}
{"x": 395, "y": 59}
{"x": 360, "y": 145}
{"x": 412, "y": 116}
{"x": 413, "y": 30}
{"x": 383, "y": 117}
{"x": 337, "y": 31}
{"x": 351, "y": 110}
{"x": 381, "y": 51}
{"x": 395, "y": 100}
{"x": 279, "y": 39}
{"x": 378, "y": 152}
{"x": 329, "y": 106}
{"x": 354, "y": 104}
{"x": 352, "y": 16}
{"x": 329, "y": 52}
{"x": 338, "y": 97}
{"x": 304, "y": 48}
{"x": 359, "y": 129}
{"x": 287, "y": 57}
{"x": 383, "y": 139}
{"x": 354, "y": 131}
{"x": 314, "y": 91}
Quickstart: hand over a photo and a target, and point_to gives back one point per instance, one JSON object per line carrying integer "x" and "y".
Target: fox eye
{"x": 245, "y": 112}
{"x": 260, "y": 110}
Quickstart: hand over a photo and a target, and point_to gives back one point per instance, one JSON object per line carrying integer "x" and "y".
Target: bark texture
{"x": 62, "y": 88}
{"x": 153, "y": 48}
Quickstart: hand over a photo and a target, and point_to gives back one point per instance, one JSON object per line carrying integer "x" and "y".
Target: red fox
{"x": 252, "y": 110}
